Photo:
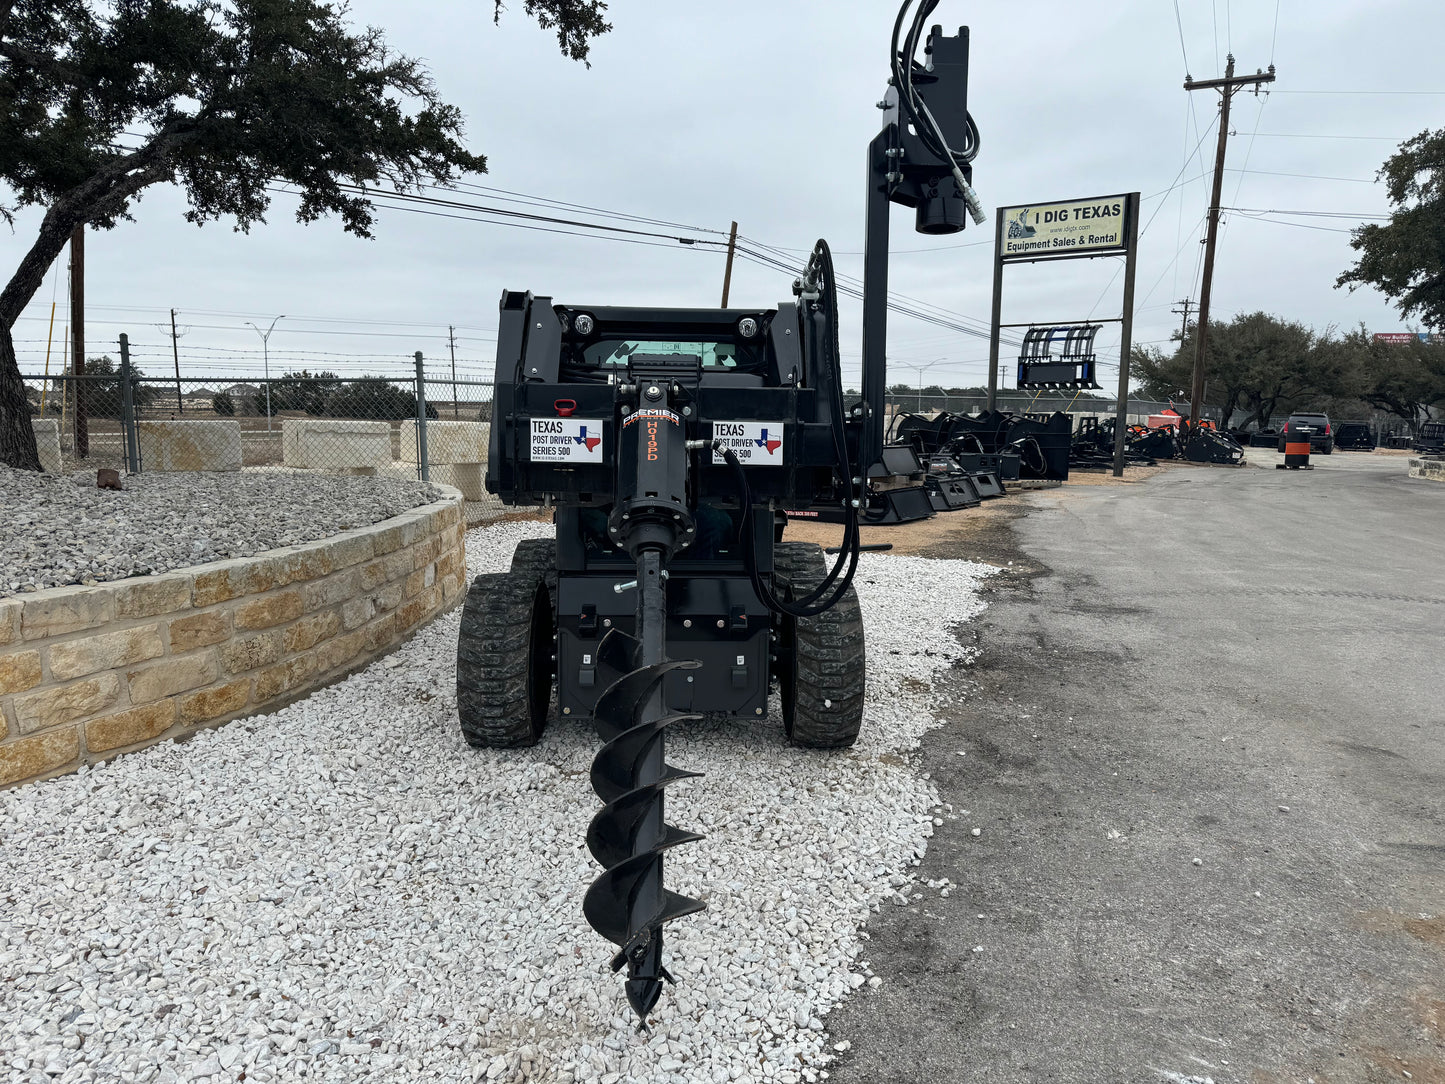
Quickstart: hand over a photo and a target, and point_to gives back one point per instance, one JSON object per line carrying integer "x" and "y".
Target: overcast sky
{"x": 705, "y": 111}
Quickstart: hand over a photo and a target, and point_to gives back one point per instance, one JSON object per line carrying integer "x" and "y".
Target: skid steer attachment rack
{"x": 671, "y": 444}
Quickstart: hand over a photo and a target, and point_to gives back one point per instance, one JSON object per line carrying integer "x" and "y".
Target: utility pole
{"x": 77, "y": 338}
{"x": 728, "y": 272}
{"x": 176, "y": 356}
{"x": 1184, "y": 327}
{"x": 1226, "y": 86}
{"x": 452, "y": 343}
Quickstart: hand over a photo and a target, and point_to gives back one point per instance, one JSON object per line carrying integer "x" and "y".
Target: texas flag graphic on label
{"x": 566, "y": 440}
{"x": 756, "y": 444}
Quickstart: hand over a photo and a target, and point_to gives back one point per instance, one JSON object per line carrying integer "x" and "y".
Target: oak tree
{"x": 1405, "y": 258}
{"x": 99, "y": 99}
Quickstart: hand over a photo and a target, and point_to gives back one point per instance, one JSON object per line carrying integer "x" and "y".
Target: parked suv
{"x": 1314, "y": 426}
{"x": 1355, "y": 435}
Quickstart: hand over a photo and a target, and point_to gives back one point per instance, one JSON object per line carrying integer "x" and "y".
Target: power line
{"x": 895, "y": 303}
{"x": 1179, "y": 22}
{"x": 1323, "y": 135}
{"x": 1300, "y": 225}
{"x": 1304, "y": 176}
{"x": 1422, "y": 93}
{"x": 1119, "y": 266}
{"x": 1306, "y": 214}
{"x": 504, "y": 212}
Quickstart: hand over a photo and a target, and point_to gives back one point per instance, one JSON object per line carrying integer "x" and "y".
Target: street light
{"x": 266, "y": 361}
{"x": 920, "y": 367}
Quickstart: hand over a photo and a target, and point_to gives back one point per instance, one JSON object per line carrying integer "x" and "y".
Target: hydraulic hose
{"x": 818, "y": 276}
{"x": 921, "y": 117}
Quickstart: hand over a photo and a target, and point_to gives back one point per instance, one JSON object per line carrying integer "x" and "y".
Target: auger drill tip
{"x": 642, "y": 995}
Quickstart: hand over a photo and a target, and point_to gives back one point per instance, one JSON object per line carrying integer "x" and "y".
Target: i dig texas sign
{"x": 1064, "y": 229}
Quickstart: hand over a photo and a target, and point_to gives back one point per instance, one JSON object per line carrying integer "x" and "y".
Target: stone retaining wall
{"x": 1428, "y": 467}
{"x": 90, "y": 672}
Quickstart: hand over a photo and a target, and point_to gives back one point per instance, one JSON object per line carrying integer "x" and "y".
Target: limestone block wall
{"x": 177, "y": 446}
{"x": 1431, "y": 468}
{"x": 90, "y": 672}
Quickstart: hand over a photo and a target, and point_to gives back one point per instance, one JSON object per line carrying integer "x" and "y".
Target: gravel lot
{"x": 61, "y": 529}
{"x": 345, "y": 890}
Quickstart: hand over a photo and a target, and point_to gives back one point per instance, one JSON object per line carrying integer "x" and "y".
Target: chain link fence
{"x": 413, "y": 427}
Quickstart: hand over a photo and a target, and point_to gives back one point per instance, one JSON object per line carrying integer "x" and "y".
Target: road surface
{"x": 1205, "y": 749}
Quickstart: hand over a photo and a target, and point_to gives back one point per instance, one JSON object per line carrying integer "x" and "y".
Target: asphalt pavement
{"x": 1204, "y": 746}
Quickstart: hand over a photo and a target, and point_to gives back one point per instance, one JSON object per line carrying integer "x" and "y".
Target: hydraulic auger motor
{"x": 670, "y": 444}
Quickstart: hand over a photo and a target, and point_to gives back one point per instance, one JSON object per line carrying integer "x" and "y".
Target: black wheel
{"x": 537, "y": 555}
{"x": 821, "y": 662}
{"x": 1280, "y": 447}
{"x": 504, "y": 659}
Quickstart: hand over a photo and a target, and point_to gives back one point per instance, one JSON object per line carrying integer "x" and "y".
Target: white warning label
{"x": 567, "y": 440}
{"x": 756, "y": 444}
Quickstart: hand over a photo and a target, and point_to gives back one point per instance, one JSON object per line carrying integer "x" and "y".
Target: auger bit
{"x": 628, "y": 904}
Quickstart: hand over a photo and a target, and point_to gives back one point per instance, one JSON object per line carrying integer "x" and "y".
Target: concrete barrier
{"x": 456, "y": 453}
{"x": 353, "y": 446}
{"x": 47, "y": 440}
{"x": 190, "y": 446}
{"x": 447, "y": 442}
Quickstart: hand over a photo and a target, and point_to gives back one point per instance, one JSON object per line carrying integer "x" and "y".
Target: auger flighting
{"x": 628, "y": 903}
{"x": 671, "y": 443}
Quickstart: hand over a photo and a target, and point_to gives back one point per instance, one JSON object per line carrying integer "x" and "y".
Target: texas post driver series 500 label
{"x": 566, "y": 440}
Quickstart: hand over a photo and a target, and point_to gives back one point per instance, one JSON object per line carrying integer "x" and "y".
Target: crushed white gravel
{"x": 343, "y": 890}
{"x": 59, "y": 529}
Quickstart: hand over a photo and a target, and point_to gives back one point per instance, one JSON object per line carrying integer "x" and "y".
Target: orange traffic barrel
{"x": 1296, "y": 455}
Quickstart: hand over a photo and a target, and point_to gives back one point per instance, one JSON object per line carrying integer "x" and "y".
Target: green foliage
{"x": 99, "y": 99}
{"x": 229, "y": 99}
{"x": 1405, "y": 258}
{"x": 103, "y": 396}
{"x": 1263, "y": 366}
{"x": 1255, "y": 363}
{"x": 374, "y": 397}
{"x": 1403, "y": 379}
{"x": 303, "y": 392}
{"x": 223, "y": 404}
{"x": 577, "y": 22}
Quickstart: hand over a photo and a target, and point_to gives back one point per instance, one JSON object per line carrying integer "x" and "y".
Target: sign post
{"x": 1070, "y": 230}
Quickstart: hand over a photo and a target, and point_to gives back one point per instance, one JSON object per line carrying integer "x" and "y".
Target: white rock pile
{"x": 60, "y": 529}
{"x": 344, "y": 891}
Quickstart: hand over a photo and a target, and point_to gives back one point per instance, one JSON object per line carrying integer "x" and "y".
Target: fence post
{"x": 421, "y": 457}
{"x": 127, "y": 409}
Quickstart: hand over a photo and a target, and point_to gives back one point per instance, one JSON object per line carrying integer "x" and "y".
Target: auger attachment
{"x": 628, "y": 904}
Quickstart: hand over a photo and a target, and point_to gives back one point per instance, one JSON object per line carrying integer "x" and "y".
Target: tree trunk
{"x": 17, "y": 437}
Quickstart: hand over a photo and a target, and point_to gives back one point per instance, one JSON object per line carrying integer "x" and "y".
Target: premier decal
{"x": 651, "y": 414}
